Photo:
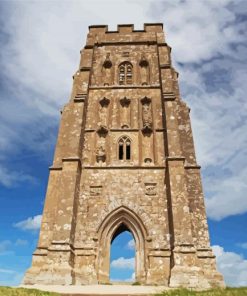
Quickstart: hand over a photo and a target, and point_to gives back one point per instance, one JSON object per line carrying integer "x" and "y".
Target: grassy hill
{"x": 214, "y": 292}
{"x": 6, "y": 291}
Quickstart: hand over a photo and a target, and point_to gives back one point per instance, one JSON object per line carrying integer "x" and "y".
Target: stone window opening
{"x": 125, "y": 73}
{"x": 124, "y": 148}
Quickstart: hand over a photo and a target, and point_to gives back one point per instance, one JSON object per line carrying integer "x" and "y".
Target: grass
{"x": 7, "y": 291}
{"x": 136, "y": 284}
{"x": 213, "y": 292}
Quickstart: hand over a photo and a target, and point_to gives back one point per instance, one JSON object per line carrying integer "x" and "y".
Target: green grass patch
{"x": 213, "y": 292}
{"x": 7, "y": 291}
{"x": 136, "y": 284}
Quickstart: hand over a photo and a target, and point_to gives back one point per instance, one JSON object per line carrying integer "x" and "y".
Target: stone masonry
{"x": 125, "y": 160}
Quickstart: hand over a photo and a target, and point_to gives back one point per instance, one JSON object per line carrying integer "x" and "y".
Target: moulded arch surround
{"x": 117, "y": 212}
{"x": 106, "y": 231}
{"x": 125, "y": 63}
{"x": 124, "y": 137}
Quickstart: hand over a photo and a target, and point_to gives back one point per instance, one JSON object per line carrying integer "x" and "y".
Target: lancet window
{"x": 125, "y": 72}
{"x": 124, "y": 148}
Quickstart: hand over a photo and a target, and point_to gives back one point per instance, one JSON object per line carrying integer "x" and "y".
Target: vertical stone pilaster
{"x": 69, "y": 193}
{"x": 179, "y": 203}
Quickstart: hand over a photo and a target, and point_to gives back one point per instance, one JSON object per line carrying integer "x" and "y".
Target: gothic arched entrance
{"x": 117, "y": 221}
{"x": 122, "y": 256}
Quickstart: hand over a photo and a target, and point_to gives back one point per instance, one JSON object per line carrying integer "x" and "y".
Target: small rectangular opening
{"x": 128, "y": 152}
{"x": 120, "y": 152}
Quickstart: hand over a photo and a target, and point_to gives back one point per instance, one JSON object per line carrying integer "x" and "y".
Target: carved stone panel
{"x": 100, "y": 154}
{"x": 150, "y": 188}
{"x": 147, "y": 121}
{"x": 95, "y": 190}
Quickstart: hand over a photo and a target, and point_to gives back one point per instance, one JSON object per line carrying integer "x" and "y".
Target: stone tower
{"x": 125, "y": 160}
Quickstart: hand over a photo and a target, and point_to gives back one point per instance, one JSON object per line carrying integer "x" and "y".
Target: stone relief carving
{"x": 102, "y": 131}
{"x": 125, "y": 114}
{"x": 107, "y": 70}
{"x": 150, "y": 188}
{"x": 125, "y": 102}
{"x": 144, "y": 70}
{"x": 146, "y": 115}
{"x": 95, "y": 190}
{"x": 103, "y": 111}
{"x": 104, "y": 102}
{"x": 148, "y": 160}
{"x": 100, "y": 154}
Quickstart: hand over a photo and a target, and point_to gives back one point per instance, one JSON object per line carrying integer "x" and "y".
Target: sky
{"x": 40, "y": 43}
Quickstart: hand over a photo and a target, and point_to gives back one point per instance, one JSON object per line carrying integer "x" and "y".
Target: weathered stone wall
{"x": 125, "y": 159}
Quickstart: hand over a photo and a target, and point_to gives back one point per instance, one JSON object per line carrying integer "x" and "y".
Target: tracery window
{"x": 124, "y": 148}
{"x": 125, "y": 72}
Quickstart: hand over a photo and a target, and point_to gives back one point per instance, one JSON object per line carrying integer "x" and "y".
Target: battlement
{"x": 125, "y": 33}
{"x": 127, "y": 28}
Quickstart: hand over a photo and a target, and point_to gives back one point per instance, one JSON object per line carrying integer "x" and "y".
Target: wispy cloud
{"x": 210, "y": 56}
{"x": 4, "y": 246}
{"x": 131, "y": 244}
{"x": 243, "y": 245}
{"x": 211, "y": 59}
{"x": 123, "y": 263}
{"x": 11, "y": 178}
{"x": 37, "y": 62}
{"x": 9, "y": 271}
{"x": 31, "y": 223}
{"x": 21, "y": 242}
{"x": 232, "y": 266}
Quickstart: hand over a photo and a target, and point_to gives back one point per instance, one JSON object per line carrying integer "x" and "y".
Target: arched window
{"x": 125, "y": 73}
{"x": 124, "y": 148}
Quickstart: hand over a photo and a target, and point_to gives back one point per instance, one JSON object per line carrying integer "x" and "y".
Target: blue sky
{"x": 40, "y": 43}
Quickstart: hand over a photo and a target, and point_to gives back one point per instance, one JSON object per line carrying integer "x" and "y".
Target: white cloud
{"x": 131, "y": 244}
{"x": 128, "y": 280}
{"x": 228, "y": 196}
{"x": 40, "y": 53}
{"x": 192, "y": 34}
{"x": 11, "y": 178}
{"x": 4, "y": 246}
{"x": 123, "y": 263}
{"x": 8, "y": 271}
{"x": 243, "y": 245}
{"x": 211, "y": 59}
{"x": 212, "y": 78}
{"x": 31, "y": 223}
{"x": 21, "y": 242}
{"x": 232, "y": 266}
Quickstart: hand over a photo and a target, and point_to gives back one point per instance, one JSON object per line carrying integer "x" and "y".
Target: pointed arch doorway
{"x": 122, "y": 256}
{"x": 116, "y": 222}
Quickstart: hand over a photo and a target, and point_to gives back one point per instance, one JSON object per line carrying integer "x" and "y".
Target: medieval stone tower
{"x": 125, "y": 160}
